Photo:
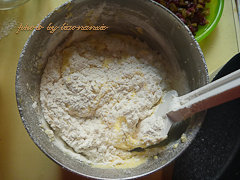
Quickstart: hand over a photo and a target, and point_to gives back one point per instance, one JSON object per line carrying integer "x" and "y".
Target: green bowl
{"x": 216, "y": 9}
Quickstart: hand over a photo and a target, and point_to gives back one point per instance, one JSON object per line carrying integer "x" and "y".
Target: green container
{"x": 216, "y": 9}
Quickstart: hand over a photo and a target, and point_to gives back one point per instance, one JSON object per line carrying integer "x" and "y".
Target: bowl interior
{"x": 143, "y": 19}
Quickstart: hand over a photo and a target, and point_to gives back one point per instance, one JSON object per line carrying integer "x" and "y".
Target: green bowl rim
{"x": 213, "y": 24}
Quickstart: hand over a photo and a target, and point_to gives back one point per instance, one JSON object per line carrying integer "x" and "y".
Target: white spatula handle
{"x": 220, "y": 91}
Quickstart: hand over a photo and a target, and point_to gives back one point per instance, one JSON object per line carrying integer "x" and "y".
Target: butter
{"x": 106, "y": 62}
{"x": 128, "y": 163}
{"x": 66, "y": 54}
{"x": 140, "y": 73}
{"x": 126, "y": 141}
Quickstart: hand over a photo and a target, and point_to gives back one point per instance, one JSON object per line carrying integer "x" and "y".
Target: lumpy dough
{"x": 98, "y": 96}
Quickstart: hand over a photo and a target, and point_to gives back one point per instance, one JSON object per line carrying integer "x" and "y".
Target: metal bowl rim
{"x": 22, "y": 113}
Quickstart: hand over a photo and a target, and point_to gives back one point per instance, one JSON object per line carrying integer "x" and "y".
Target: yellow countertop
{"x": 19, "y": 156}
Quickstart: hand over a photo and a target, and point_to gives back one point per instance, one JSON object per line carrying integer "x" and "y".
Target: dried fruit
{"x": 192, "y": 12}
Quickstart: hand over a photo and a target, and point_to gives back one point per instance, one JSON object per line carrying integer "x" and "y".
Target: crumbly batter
{"x": 98, "y": 95}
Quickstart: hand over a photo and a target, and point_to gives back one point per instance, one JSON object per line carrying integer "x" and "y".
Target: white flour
{"x": 98, "y": 96}
{"x": 7, "y": 26}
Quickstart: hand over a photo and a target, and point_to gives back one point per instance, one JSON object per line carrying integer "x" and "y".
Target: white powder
{"x": 34, "y": 105}
{"x": 98, "y": 96}
{"x": 7, "y": 26}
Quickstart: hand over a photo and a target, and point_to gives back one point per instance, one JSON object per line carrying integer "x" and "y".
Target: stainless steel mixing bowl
{"x": 144, "y": 19}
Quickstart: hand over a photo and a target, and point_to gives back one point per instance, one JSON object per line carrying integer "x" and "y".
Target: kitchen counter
{"x": 20, "y": 158}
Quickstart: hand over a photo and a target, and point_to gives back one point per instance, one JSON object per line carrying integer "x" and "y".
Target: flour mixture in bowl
{"x": 99, "y": 94}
